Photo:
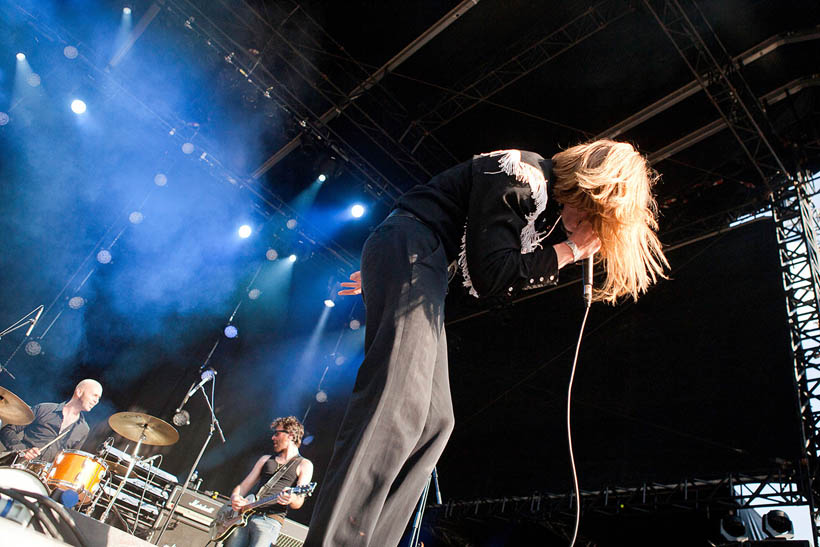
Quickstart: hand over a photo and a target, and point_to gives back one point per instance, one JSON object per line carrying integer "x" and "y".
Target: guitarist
{"x": 272, "y": 474}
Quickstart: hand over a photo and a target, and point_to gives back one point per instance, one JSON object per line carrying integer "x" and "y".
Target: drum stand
{"x": 131, "y": 465}
{"x": 214, "y": 427}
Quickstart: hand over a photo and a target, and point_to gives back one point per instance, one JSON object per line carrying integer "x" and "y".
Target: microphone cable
{"x": 569, "y": 429}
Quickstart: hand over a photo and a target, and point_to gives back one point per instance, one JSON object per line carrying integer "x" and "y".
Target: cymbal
{"x": 132, "y": 426}
{"x": 13, "y": 411}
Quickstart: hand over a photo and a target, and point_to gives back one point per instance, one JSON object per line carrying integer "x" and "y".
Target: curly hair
{"x": 612, "y": 182}
{"x": 292, "y": 425}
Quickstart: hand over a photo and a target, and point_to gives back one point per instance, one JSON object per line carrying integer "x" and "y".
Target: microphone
{"x": 206, "y": 376}
{"x": 34, "y": 321}
{"x": 586, "y": 266}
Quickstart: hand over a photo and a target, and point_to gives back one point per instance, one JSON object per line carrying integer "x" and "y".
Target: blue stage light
{"x": 245, "y": 231}
{"x": 21, "y": 56}
{"x": 78, "y": 106}
{"x": 329, "y": 303}
{"x": 292, "y": 258}
{"x": 322, "y": 177}
{"x": 126, "y": 10}
{"x": 231, "y": 331}
{"x": 357, "y": 211}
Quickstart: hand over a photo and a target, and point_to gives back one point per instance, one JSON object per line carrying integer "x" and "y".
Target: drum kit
{"x": 75, "y": 470}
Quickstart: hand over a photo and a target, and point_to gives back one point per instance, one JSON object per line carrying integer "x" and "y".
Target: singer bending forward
{"x": 493, "y": 215}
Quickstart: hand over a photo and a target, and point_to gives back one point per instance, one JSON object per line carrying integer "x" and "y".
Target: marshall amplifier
{"x": 196, "y": 506}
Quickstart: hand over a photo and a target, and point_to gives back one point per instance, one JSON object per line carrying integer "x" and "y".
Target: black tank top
{"x": 288, "y": 478}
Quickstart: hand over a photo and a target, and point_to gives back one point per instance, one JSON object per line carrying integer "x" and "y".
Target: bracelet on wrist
{"x": 576, "y": 252}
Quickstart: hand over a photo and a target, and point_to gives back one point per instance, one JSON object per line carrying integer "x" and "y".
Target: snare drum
{"x": 77, "y": 470}
{"x": 18, "y": 479}
{"x": 38, "y": 468}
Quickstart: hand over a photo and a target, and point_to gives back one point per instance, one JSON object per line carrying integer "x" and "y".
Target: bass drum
{"x": 18, "y": 479}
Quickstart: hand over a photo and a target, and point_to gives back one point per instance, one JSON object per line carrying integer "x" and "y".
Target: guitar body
{"x": 227, "y": 520}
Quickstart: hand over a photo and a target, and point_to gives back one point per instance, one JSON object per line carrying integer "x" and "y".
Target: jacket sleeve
{"x": 499, "y": 205}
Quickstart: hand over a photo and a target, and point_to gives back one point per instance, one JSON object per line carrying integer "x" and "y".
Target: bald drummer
{"x": 52, "y": 419}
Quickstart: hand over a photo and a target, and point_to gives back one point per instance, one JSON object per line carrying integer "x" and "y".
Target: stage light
{"x": 357, "y": 211}
{"x": 245, "y": 231}
{"x": 355, "y": 324}
{"x": 231, "y": 331}
{"x": 104, "y": 256}
{"x": 321, "y": 396}
{"x": 271, "y": 254}
{"x": 78, "y": 106}
{"x": 733, "y": 529}
{"x": 253, "y": 294}
{"x": 307, "y": 440}
{"x": 126, "y": 10}
{"x": 322, "y": 177}
{"x": 291, "y": 224}
{"x": 187, "y": 148}
{"x": 21, "y": 56}
{"x": 777, "y": 524}
{"x": 33, "y": 79}
{"x": 340, "y": 360}
{"x": 33, "y": 348}
{"x": 70, "y": 52}
{"x": 329, "y": 303}
{"x": 4, "y": 118}
{"x": 292, "y": 258}
{"x": 135, "y": 217}
{"x": 76, "y": 302}
{"x": 160, "y": 179}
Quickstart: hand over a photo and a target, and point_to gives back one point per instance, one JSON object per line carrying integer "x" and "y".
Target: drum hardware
{"x": 142, "y": 428}
{"x": 20, "y": 480}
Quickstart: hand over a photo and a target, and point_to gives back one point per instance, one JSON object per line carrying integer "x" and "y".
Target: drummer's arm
{"x": 12, "y": 436}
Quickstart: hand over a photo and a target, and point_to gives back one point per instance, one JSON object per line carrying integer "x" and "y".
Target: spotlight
{"x": 307, "y": 440}
{"x": 355, "y": 324}
{"x": 292, "y": 258}
{"x": 231, "y": 331}
{"x": 126, "y": 10}
{"x": 104, "y": 256}
{"x": 253, "y": 294}
{"x": 21, "y": 56}
{"x": 70, "y": 52}
{"x": 733, "y": 529}
{"x": 777, "y": 524}
{"x": 340, "y": 360}
{"x": 291, "y": 224}
{"x": 321, "y": 396}
{"x": 135, "y": 217}
{"x": 33, "y": 79}
{"x": 187, "y": 148}
{"x": 160, "y": 179}
{"x": 78, "y": 106}
{"x": 329, "y": 303}
{"x": 33, "y": 348}
{"x": 76, "y": 302}
{"x": 245, "y": 231}
{"x": 322, "y": 177}
{"x": 271, "y": 254}
{"x": 357, "y": 211}
{"x": 4, "y": 118}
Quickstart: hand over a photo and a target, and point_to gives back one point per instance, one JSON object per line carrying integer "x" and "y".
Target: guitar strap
{"x": 275, "y": 477}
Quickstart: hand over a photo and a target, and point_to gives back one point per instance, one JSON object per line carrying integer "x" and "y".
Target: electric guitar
{"x": 227, "y": 520}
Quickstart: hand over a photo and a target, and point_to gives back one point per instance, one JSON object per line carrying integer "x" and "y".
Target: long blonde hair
{"x": 613, "y": 183}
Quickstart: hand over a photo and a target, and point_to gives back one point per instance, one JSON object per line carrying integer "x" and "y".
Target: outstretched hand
{"x": 354, "y": 286}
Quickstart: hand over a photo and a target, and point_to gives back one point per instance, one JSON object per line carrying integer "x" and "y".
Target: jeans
{"x": 400, "y": 414}
{"x": 261, "y": 531}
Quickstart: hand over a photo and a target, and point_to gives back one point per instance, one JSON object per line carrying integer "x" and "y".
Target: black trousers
{"x": 400, "y": 414}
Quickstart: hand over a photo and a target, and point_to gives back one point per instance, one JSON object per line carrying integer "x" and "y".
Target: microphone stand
{"x": 19, "y": 324}
{"x": 214, "y": 427}
{"x": 416, "y": 533}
